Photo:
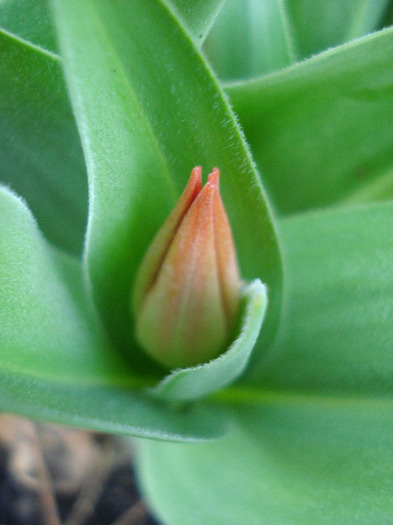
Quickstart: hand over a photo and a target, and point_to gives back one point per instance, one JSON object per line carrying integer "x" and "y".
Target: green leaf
{"x": 291, "y": 460}
{"x": 191, "y": 383}
{"x": 388, "y": 18}
{"x": 197, "y": 15}
{"x": 250, "y": 38}
{"x": 108, "y": 408}
{"x": 145, "y": 123}
{"x": 318, "y": 24}
{"x": 40, "y": 153}
{"x": 30, "y": 21}
{"x": 378, "y": 190}
{"x": 321, "y": 129}
{"x": 337, "y": 327}
{"x": 45, "y": 326}
{"x": 253, "y": 37}
{"x": 55, "y": 362}
{"x": 311, "y": 457}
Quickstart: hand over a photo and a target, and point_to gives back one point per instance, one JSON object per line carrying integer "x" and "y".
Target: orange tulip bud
{"x": 187, "y": 291}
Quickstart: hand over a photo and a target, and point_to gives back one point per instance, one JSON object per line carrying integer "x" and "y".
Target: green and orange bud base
{"x": 186, "y": 296}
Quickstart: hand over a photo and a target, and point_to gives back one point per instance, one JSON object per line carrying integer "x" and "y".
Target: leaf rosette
{"x": 302, "y": 392}
{"x": 135, "y": 174}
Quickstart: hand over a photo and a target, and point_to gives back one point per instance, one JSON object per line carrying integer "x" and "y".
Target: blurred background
{"x": 51, "y": 475}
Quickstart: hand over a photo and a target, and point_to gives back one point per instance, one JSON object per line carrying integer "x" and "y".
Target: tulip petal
{"x": 182, "y": 319}
{"x": 159, "y": 247}
{"x": 195, "y": 382}
{"x": 228, "y": 269}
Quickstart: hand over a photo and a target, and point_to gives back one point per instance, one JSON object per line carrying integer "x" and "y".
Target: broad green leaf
{"x": 337, "y": 328}
{"x": 388, "y": 18}
{"x": 191, "y": 383}
{"x": 108, "y": 408}
{"x": 40, "y": 153}
{"x": 378, "y": 190}
{"x": 250, "y": 38}
{"x": 197, "y": 15}
{"x": 45, "y": 327}
{"x": 291, "y": 460}
{"x": 320, "y": 24}
{"x": 146, "y": 120}
{"x": 55, "y": 362}
{"x": 30, "y": 20}
{"x": 321, "y": 129}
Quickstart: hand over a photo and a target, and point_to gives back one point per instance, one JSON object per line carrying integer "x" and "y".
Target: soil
{"x": 53, "y": 475}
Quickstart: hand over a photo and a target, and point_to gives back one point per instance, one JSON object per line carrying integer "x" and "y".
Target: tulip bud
{"x": 187, "y": 291}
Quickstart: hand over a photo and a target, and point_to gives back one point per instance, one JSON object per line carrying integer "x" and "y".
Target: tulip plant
{"x": 239, "y": 329}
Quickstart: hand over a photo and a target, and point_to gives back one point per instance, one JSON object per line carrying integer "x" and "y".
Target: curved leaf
{"x": 197, "y": 15}
{"x": 45, "y": 326}
{"x": 378, "y": 190}
{"x": 388, "y": 18}
{"x": 303, "y": 122}
{"x": 191, "y": 383}
{"x": 40, "y": 152}
{"x": 146, "y": 120}
{"x": 107, "y": 408}
{"x": 319, "y": 25}
{"x": 337, "y": 327}
{"x": 55, "y": 362}
{"x": 289, "y": 460}
{"x": 30, "y": 21}
{"x": 250, "y": 38}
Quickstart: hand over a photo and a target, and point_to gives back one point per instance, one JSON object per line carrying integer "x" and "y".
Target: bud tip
{"x": 187, "y": 290}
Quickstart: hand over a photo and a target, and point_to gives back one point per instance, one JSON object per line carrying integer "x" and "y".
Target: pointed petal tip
{"x": 187, "y": 304}
{"x": 196, "y": 174}
{"x": 214, "y": 177}
{"x": 193, "y": 187}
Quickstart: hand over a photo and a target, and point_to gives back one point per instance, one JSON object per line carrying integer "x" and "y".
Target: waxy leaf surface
{"x": 288, "y": 460}
{"x": 319, "y": 25}
{"x": 250, "y": 38}
{"x": 31, "y": 21}
{"x": 198, "y": 15}
{"x": 40, "y": 153}
{"x": 337, "y": 327}
{"x": 320, "y": 130}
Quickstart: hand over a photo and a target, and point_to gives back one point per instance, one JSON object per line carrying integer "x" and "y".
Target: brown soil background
{"x": 52, "y": 475}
